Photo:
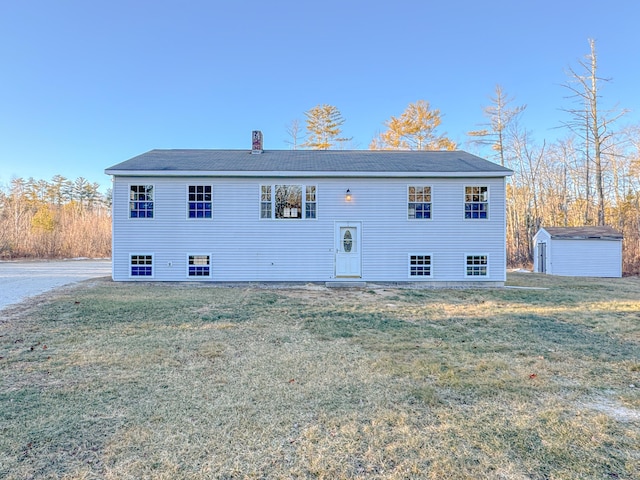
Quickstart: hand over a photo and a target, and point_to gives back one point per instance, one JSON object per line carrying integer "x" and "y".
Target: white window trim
{"x": 197, "y": 184}
{"x": 200, "y": 277}
{"x": 145, "y": 219}
{"x": 464, "y": 196}
{"x": 273, "y": 201}
{"x": 153, "y": 266}
{"x": 476, "y": 277}
{"x": 419, "y": 277}
{"x": 431, "y": 203}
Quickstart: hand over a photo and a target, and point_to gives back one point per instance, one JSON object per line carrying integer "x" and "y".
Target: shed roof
{"x": 588, "y": 232}
{"x": 308, "y": 163}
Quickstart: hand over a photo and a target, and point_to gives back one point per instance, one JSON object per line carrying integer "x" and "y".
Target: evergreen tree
{"x": 414, "y": 129}
{"x": 324, "y": 124}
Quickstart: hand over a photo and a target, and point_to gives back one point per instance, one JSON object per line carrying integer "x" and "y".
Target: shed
{"x": 578, "y": 251}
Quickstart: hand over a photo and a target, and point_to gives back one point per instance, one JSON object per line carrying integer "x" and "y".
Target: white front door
{"x": 348, "y": 250}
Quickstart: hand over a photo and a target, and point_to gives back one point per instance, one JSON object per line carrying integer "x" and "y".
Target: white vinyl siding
{"x": 248, "y": 248}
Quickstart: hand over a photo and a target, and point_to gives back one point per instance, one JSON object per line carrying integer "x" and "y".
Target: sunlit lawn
{"x": 170, "y": 381}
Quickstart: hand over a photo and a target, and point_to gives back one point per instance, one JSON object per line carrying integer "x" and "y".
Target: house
{"x": 309, "y": 216}
{"x": 578, "y": 251}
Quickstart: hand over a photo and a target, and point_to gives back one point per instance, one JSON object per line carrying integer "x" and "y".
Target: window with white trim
{"x": 199, "y": 266}
{"x": 200, "y": 203}
{"x": 141, "y": 265}
{"x": 419, "y": 202}
{"x": 476, "y": 202}
{"x": 419, "y": 265}
{"x": 288, "y": 201}
{"x": 265, "y": 201}
{"x": 140, "y": 201}
{"x": 477, "y": 266}
{"x": 310, "y": 203}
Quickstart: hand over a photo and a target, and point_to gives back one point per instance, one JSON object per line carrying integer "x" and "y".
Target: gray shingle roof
{"x": 334, "y": 162}
{"x": 583, "y": 232}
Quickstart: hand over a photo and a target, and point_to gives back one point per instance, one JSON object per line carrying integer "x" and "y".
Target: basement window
{"x": 141, "y": 265}
{"x": 199, "y": 266}
{"x": 477, "y": 266}
{"x": 420, "y": 265}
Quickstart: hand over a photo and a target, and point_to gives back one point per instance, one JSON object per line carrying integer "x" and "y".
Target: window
{"x": 419, "y": 202}
{"x": 199, "y": 266}
{"x": 477, "y": 266}
{"x": 310, "y": 209}
{"x": 476, "y": 202}
{"x": 265, "y": 201}
{"x": 141, "y": 201}
{"x": 199, "y": 201}
{"x": 288, "y": 201}
{"x": 420, "y": 265}
{"x": 141, "y": 265}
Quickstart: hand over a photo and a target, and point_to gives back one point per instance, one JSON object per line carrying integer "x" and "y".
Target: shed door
{"x": 542, "y": 258}
{"x": 348, "y": 250}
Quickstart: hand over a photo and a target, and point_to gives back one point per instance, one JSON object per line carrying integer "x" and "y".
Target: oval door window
{"x": 347, "y": 241}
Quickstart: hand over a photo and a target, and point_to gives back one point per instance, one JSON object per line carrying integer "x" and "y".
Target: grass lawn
{"x": 173, "y": 381}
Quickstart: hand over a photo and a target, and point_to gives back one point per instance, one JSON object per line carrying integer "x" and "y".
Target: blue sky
{"x": 87, "y": 84}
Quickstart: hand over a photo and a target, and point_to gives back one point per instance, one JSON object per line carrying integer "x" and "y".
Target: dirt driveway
{"x": 23, "y": 279}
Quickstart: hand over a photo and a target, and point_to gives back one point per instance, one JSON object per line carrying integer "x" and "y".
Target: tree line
{"x": 59, "y": 218}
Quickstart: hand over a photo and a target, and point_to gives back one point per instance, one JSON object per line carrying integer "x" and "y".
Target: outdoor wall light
{"x": 347, "y": 196}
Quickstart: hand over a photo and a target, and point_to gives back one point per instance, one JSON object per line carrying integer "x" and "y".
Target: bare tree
{"x": 294, "y": 132}
{"x": 591, "y": 123}
{"x": 501, "y": 116}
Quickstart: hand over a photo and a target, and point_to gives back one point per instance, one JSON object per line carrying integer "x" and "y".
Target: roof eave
{"x": 585, "y": 237}
{"x": 201, "y": 173}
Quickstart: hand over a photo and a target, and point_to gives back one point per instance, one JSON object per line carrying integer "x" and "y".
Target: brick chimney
{"x": 256, "y": 142}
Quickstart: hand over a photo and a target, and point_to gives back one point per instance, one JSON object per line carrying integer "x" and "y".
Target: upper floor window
{"x": 199, "y": 201}
{"x": 288, "y": 201}
{"x": 476, "y": 202}
{"x": 419, "y": 202}
{"x": 141, "y": 201}
{"x": 265, "y": 201}
{"x": 310, "y": 210}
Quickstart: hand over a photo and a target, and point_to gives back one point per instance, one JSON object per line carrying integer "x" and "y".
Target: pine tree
{"x": 414, "y": 129}
{"x": 324, "y": 124}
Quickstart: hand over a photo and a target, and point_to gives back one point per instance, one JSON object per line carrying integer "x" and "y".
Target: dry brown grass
{"x": 191, "y": 381}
